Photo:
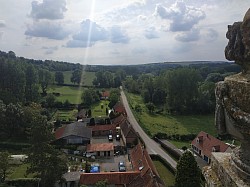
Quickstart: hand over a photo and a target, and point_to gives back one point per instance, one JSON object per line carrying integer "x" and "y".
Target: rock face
{"x": 238, "y": 47}
{"x": 232, "y": 114}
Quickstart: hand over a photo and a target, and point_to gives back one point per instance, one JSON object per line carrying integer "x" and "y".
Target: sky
{"x": 118, "y": 32}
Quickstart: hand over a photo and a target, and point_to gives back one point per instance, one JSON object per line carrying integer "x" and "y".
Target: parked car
{"x": 90, "y": 154}
{"x": 110, "y": 137}
{"x": 121, "y": 166}
{"x": 118, "y": 137}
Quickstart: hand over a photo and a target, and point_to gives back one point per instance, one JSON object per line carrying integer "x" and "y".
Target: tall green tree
{"x": 182, "y": 89}
{"x": 187, "y": 172}
{"x": 45, "y": 78}
{"x": 59, "y": 77}
{"x": 31, "y": 87}
{"x": 43, "y": 157}
{"x": 4, "y": 165}
{"x": 76, "y": 76}
{"x": 89, "y": 97}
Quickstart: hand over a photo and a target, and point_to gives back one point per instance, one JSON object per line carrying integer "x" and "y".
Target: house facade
{"x": 204, "y": 144}
{"x": 101, "y": 149}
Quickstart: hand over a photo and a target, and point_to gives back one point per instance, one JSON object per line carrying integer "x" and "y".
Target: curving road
{"x": 151, "y": 146}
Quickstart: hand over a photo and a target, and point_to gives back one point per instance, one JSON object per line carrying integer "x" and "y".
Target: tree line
{"x": 183, "y": 90}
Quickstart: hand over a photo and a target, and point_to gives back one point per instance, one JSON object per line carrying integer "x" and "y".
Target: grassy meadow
{"x": 72, "y": 94}
{"x": 87, "y": 78}
{"x": 171, "y": 124}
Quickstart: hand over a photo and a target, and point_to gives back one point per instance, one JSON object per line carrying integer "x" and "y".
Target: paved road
{"x": 151, "y": 146}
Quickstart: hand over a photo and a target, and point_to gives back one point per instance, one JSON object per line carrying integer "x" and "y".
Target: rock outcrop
{"x": 232, "y": 114}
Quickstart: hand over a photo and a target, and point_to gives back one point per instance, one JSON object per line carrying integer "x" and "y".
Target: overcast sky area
{"x": 118, "y": 31}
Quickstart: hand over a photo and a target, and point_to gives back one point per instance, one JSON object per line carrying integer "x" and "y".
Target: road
{"x": 151, "y": 146}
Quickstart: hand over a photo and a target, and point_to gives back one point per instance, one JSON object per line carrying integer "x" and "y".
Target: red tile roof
{"x": 207, "y": 143}
{"x": 100, "y": 147}
{"x": 118, "y": 119}
{"x": 142, "y": 162}
{"x": 119, "y": 108}
{"x": 105, "y": 94}
{"x": 111, "y": 177}
{"x": 103, "y": 127}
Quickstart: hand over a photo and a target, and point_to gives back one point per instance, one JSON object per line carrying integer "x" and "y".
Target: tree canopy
{"x": 188, "y": 173}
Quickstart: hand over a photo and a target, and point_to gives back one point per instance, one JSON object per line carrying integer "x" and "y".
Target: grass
{"x": 66, "y": 115}
{"x": 165, "y": 174}
{"x": 87, "y": 77}
{"x": 180, "y": 144}
{"x": 19, "y": 171}
{"x": 171, "y": 124}
{"x": 72, "y": 94}
{"x": 98, "y": 110}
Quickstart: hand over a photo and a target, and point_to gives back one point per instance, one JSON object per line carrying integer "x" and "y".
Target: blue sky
{"x": 118, "y": 31}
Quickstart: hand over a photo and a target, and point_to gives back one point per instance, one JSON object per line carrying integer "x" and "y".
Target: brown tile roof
{"x": 118, "y": 119}
{"x": 127, "y": 129}
{"x": 105, "y": 94}
{"x": 102, "y": 127}
{"x": 111, "y": 177}
{"x": 207, "y": 143}
{"x": 100, "y": 147}
{"x": 142, "y": 162}
{"x": 119, "y": 108}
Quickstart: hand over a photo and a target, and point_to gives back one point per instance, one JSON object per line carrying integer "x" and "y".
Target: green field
{"x": 72, "y": 94}
{"x": 87, "y": 78}
{"x": 19, "y": 171}
{"x": 165, "y": 174}
{"x": 171, "y": 124}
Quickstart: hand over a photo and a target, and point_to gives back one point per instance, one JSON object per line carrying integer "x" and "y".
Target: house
{"x": 81, "y": 114}
{"x": 119, "y": 108}
{"x": 141, "y": 161}
{"x": 101, "y": 149}
{"x": 204, "y": 144}
{"x": 113, "y": 178}
{"x": 74, "y": 133}
{"x": 128, "y": 134}
{"x": 103, "y": 130}
{"x": 71, "y": 179}
{"x": 118, "y": 119}
{"x": 105, "y": 95}
{"x": 143, "y": 174}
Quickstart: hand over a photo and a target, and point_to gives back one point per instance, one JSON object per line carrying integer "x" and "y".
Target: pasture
{"x": 170, "y": 124}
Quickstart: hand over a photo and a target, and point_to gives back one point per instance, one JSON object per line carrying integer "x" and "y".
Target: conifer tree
{"x": 188, "y": 173}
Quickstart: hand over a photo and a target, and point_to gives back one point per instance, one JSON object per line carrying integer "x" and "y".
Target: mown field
{"x": 70, "y": 93}
{"x": 171, "y": 124}
{"x": 87, "y": 78}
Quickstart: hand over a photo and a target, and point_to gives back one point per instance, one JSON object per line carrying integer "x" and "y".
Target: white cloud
{"x": 151, "y": 33}
{"x": 48, "y": 9}
{"x": 189, "y": 36}
{"x": 47, "y": 29}
{"x": 182, "y": 17}
{"x": 50, "y": 50}
{"x": 2, "y": 23}
{"x": 211, "y": 35}
{"x": 118, "y": 35}
{"x": 90, "y": 33}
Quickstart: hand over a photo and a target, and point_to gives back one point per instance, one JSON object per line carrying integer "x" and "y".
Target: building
{"x": 119, "y": 108}
{"x": 105, "y": 95}
{"x": 103, "y": 130}
{"x": 143, "y": 174}
{"x": 204, "y": 144}
{"x": 74, "y": 133}
{"x": 101, "y": 149}
{"x": 128, "y": 134}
